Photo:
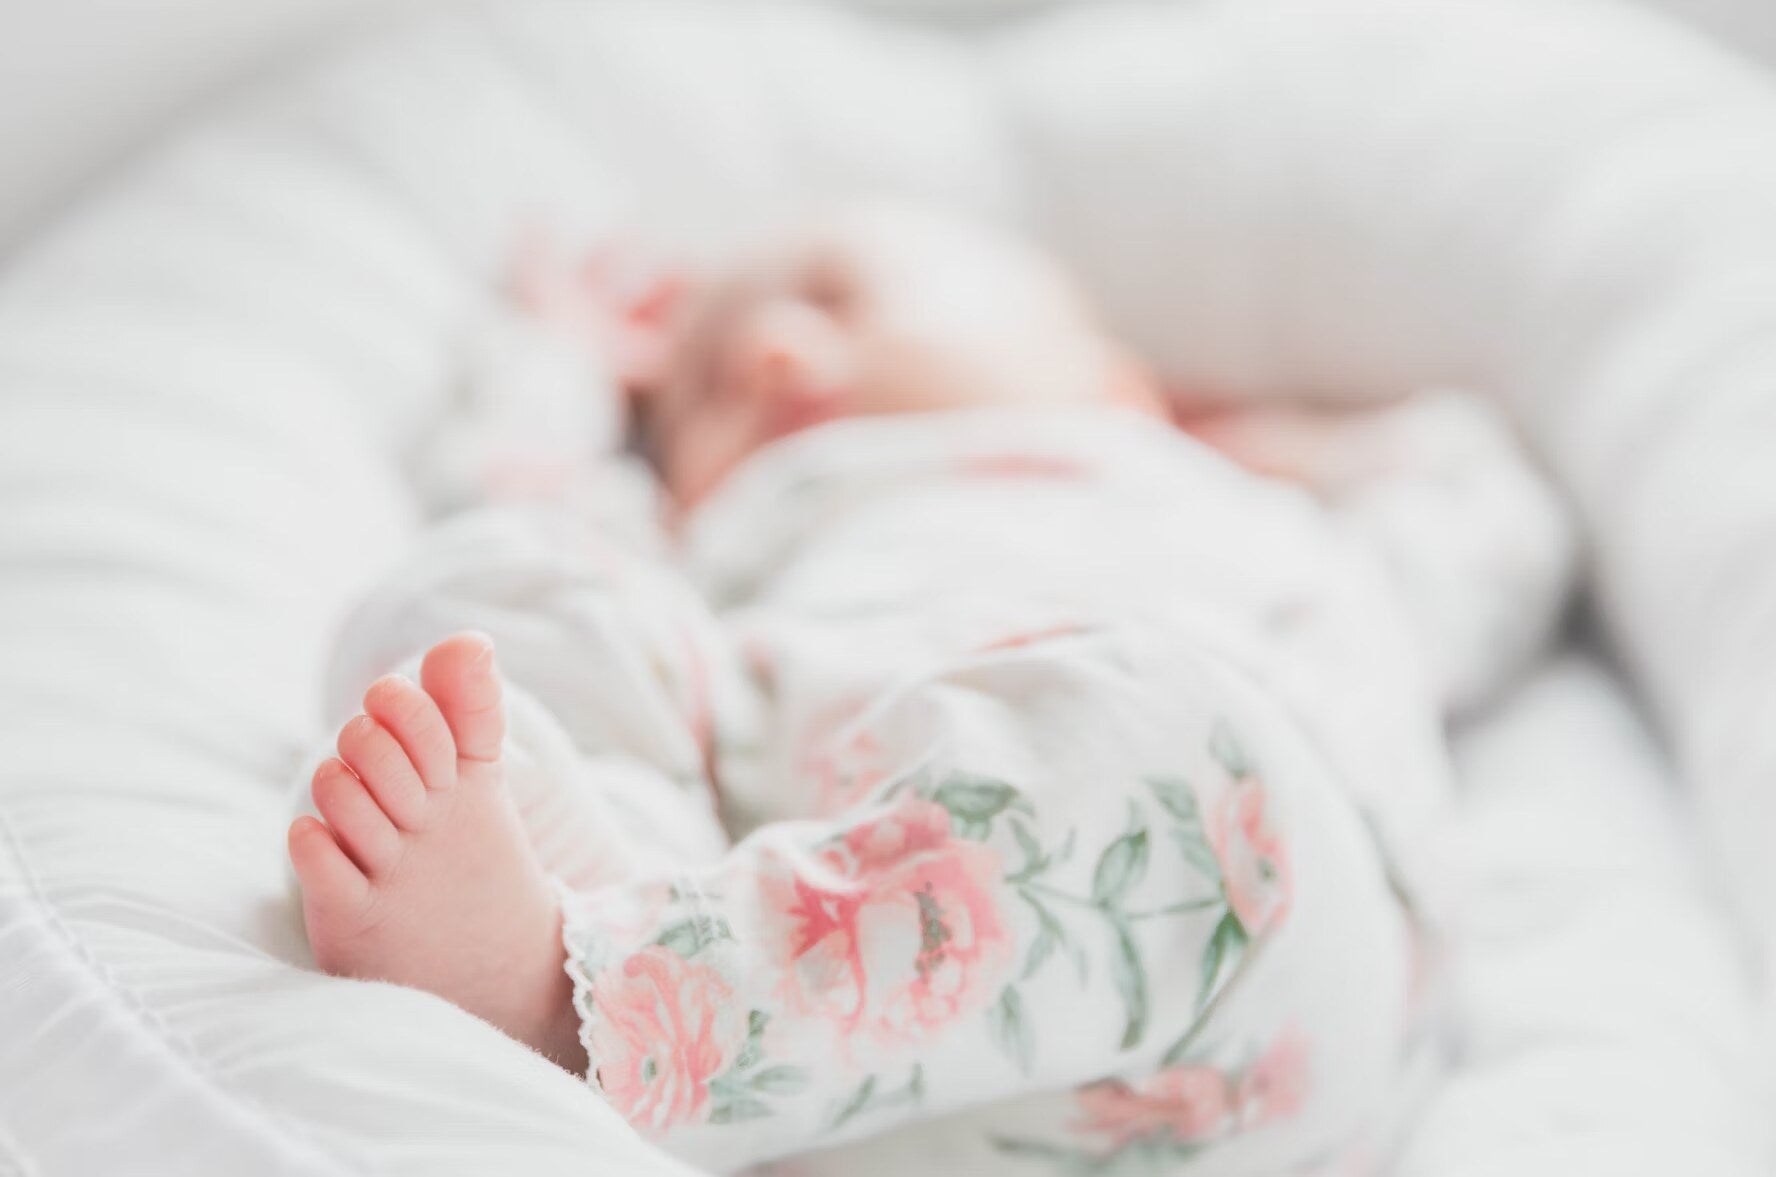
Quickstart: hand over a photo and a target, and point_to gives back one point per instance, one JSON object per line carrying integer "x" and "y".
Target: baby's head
{"x": 875, "y": 309}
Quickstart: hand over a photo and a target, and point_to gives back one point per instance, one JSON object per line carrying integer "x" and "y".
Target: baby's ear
{"x": 640, "y": 329}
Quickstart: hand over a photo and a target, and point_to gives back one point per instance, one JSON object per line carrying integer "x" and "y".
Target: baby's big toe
{"x": 458, "y": 673}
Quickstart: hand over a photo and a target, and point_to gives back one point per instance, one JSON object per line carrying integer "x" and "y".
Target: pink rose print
{"x": 1254, "y": 862}
{"x": 663, "y": 1030}
{"x": 1194, "y": 1103}
{"x": 1180, "y": 1104}
{"x": 895, "y": 932}
{"x": 1176, "y": 1111}
{"x": 1275, "y": 1086}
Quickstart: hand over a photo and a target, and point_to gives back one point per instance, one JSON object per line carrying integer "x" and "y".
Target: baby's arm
{"x": 1477, "y": 540}
{"x": 1091, "y": 855}
{"x": 548, "y": 370}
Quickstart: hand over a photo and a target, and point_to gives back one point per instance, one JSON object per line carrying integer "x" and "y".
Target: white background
{"x": 83, "y": 82}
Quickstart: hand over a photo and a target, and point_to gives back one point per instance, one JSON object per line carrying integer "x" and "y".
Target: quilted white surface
{"x": 214, "y": 381}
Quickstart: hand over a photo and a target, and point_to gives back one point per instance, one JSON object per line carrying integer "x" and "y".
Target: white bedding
{"x": 1603, "y": 1009}
{"x": 215, "y": 380}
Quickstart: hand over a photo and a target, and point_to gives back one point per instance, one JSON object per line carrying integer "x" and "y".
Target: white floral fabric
{"x": 1037, "y": 789}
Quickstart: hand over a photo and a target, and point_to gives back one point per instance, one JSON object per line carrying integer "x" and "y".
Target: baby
{"x": 1089, "y": 780}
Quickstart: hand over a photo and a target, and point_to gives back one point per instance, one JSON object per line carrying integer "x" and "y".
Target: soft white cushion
{"x": 214, "y": 381}
{"x": 1565, "y": 203}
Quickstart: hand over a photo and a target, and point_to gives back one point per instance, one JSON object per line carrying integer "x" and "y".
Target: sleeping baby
{"x": 979, "y": 762}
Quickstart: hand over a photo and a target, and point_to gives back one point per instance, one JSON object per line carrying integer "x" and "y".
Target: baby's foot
{"x": 420, "y": 873}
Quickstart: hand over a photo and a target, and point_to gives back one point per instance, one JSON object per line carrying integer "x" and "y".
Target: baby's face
{"x": 878, "y": 309}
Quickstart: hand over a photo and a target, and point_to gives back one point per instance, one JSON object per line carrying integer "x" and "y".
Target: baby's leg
{"x": 1105, "y": 861}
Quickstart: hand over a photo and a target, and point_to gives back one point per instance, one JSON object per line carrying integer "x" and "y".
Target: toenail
{"x": 389, "y": 682}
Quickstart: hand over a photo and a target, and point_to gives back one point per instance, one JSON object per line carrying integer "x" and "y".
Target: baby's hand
{"x": 613, "y": 301}
{"x": 1330, "y": 450}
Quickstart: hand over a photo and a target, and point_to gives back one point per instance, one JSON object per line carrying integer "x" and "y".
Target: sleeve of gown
{"x": 1478, "y": 541}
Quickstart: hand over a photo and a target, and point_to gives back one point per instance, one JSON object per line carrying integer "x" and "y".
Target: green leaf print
{"x": 977, "y": 800}
{"x": 756, "y": 1021}
{"x": 1130, "y": 978}
{"x": 690, "y": 936}
{"x": 749, "y": 1055}
{"x": 740, "y": 1093}
{"x": 1226, "y": 748}
{"x": 1225, "y": 944}
{"x": 1035, "y": 862}
{"x": 1049, "y": 921}
{"x": 1051, "y": 934}
{"x": 1177, "y": 797}
{"x": 1011, "y": 1030}
{"x": 853, "y": 1106}
{"x": 780, "y": 1080}
{"x": 738, "y": 1109}
{"x": 1120, "y": 867}
{"x": 1081, "y": 961}
{"x": 1197, "y": 852}
{"x": 869, "y": 1098}
{"x": 1041, "y": 948}
{"x": 973, "y": 828}
{"x": 1178, "y": 1051}
{"x": 681, "y": 938}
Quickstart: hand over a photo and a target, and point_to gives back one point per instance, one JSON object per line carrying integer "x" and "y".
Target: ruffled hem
{"x": 588, "y": 948}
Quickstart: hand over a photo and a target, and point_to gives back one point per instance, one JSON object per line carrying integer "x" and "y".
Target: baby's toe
{"x": 386, "y": 770}
{"x": 327, "y": 876}
{"x": 357, "y": 822}
{"x": 458, "y": 673}
{"x": 413, "y": 719}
